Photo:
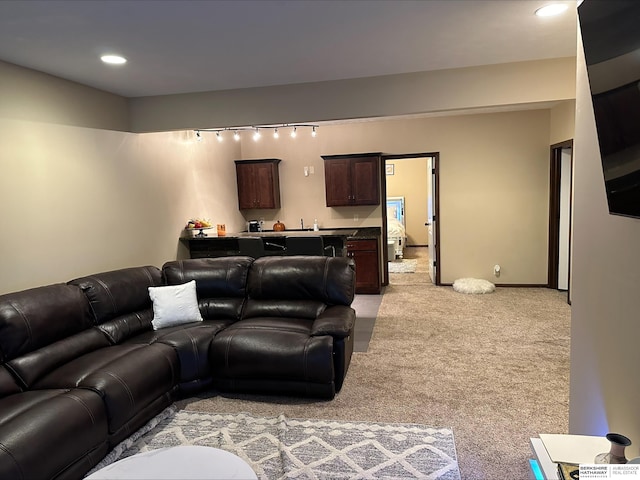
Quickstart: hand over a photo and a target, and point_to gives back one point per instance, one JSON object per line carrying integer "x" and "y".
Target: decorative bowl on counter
{"x": 197, "y": 232}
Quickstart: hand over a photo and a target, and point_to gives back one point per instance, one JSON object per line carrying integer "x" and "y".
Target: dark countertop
{"x": 349, "y": 233}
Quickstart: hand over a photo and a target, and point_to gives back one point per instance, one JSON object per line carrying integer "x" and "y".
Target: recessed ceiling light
{"x": 552, "y": 9}
{"x": 113, "y": 59}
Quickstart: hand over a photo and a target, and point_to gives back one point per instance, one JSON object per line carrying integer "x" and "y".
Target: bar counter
{"x": 214, "y": 246}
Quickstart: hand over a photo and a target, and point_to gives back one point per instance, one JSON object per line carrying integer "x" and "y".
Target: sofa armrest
{"x": 337, "y": 321}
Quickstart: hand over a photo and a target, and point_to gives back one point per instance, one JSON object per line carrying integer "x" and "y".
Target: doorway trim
{"x": 436, "y": 208}
{"x": 555, "y": 167}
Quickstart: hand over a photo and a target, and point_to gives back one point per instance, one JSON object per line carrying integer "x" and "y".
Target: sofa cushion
{"x": 220, "y": 283}
{"x": 127, "y": 377}
{"x": 8, "y": 385}
{"x": 191, "y": 342}
{"x": 329, "y": 280}
{"x": 30, "y": 367}
{"x": 126, "y": 326}
{"x": 119, "y": 292}
{"x": 51, "y": 434}
{"x": 33, "y": 318}
{"x": 120, "y": 300}
{"x": 271, "y": 349}
{"x": 256, "y": 351}
{"x": 174, "y": 305}
{"x": 308, "y": 309}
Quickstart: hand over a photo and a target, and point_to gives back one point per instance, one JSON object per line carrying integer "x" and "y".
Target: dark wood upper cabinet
{"x": 352, "y": 179}
{"x": 258, "y": 183}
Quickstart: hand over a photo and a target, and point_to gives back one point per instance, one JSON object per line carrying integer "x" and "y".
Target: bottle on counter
{"x": 315, "y": 225}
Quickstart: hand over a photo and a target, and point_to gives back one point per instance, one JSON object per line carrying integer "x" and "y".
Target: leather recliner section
{"x": 295, "y": 335}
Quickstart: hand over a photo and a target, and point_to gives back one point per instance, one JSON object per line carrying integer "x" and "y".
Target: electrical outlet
{"x": 306, "y": 171}
{"x": 312, "y": 170}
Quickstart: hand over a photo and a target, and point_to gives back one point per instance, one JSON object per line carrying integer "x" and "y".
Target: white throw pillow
{"x": 174, "y": 305}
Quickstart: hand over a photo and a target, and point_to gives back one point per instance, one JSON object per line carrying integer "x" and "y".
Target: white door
{"x": 431, "y": 220}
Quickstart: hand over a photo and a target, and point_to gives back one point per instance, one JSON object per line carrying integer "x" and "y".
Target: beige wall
{"x": 605, "y": 391}
{"x": 562, "y": 122}
{"x": 73, "y": 194}
{"x": 35, "y": 96}
{"x": 410, "y": 180}
{"x": 413, "y": 93}
{"x": 493, "y": 185}
{"x": 77, "y": 201}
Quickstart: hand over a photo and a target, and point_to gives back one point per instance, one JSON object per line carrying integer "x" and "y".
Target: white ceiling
{"x": 180, "y": 46}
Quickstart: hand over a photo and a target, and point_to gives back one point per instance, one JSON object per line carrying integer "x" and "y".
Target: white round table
{"x": 184, "y": 462}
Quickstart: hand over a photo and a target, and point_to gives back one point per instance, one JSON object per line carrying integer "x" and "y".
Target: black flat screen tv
{"x": 611, "y": 39}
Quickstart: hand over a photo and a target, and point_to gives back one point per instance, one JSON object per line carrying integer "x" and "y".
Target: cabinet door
{"x": 258, "y": 183}
{"x": 365, "y": 255}
{"x": 246, "y": 186}
{"x": 337, "y": 177}
{"x": 364, "y": 181}
{"x": 266, "y": 185}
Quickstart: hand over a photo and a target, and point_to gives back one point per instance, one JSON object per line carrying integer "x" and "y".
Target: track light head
{"x": 219, "y": 136}
{"x": 294, "y": 132}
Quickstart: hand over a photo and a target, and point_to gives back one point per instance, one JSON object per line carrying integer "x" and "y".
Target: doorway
{"x": 560, "y": 216}
{"x": 425, "y": 223}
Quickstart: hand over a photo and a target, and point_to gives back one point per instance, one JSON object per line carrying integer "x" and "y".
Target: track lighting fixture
{"x": 256, "y": 131}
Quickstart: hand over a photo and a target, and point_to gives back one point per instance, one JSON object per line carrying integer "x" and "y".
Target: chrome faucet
{"x": 301, "y": 224}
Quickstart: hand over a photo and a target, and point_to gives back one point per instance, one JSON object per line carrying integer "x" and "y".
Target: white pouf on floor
{"x": 182, "y": 462}
{"x": 473, "y": 285}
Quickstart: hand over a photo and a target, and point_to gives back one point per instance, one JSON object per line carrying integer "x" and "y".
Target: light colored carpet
{"x": 494, "y": 368}
{"x": 281, "y": 447}
{"x": 406, "y": 265}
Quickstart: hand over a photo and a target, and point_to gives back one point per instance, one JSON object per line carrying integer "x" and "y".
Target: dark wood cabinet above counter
{"x": 352, "y": 179}
{"x": 258, "y": 183}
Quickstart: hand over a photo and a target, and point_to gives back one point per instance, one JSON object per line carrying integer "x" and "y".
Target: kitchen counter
{"x": 364, "y": 232}
{"x": 214, "y": 246}
{"x": 300, "y": 233}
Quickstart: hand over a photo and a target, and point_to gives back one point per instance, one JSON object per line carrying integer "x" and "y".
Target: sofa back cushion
{"x": 34, "y": 318}
{"x": 32, "y": 366}
{"x": 8, "y": 385}
{"x": 120, "y": 300}
{"x": 221, "y": 283}
{"x": 298, "y": 286}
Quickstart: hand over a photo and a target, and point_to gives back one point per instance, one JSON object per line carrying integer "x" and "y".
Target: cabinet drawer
{"x": 365, "y": 254}
{"x": 359, "y": 245}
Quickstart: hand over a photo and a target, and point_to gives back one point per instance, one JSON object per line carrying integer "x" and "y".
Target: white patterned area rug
{"x": 283, "y": 448}
{"x": 406, "y": 265}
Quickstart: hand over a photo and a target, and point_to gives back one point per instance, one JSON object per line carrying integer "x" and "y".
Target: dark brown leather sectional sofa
{"x": 81, "y": 367}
